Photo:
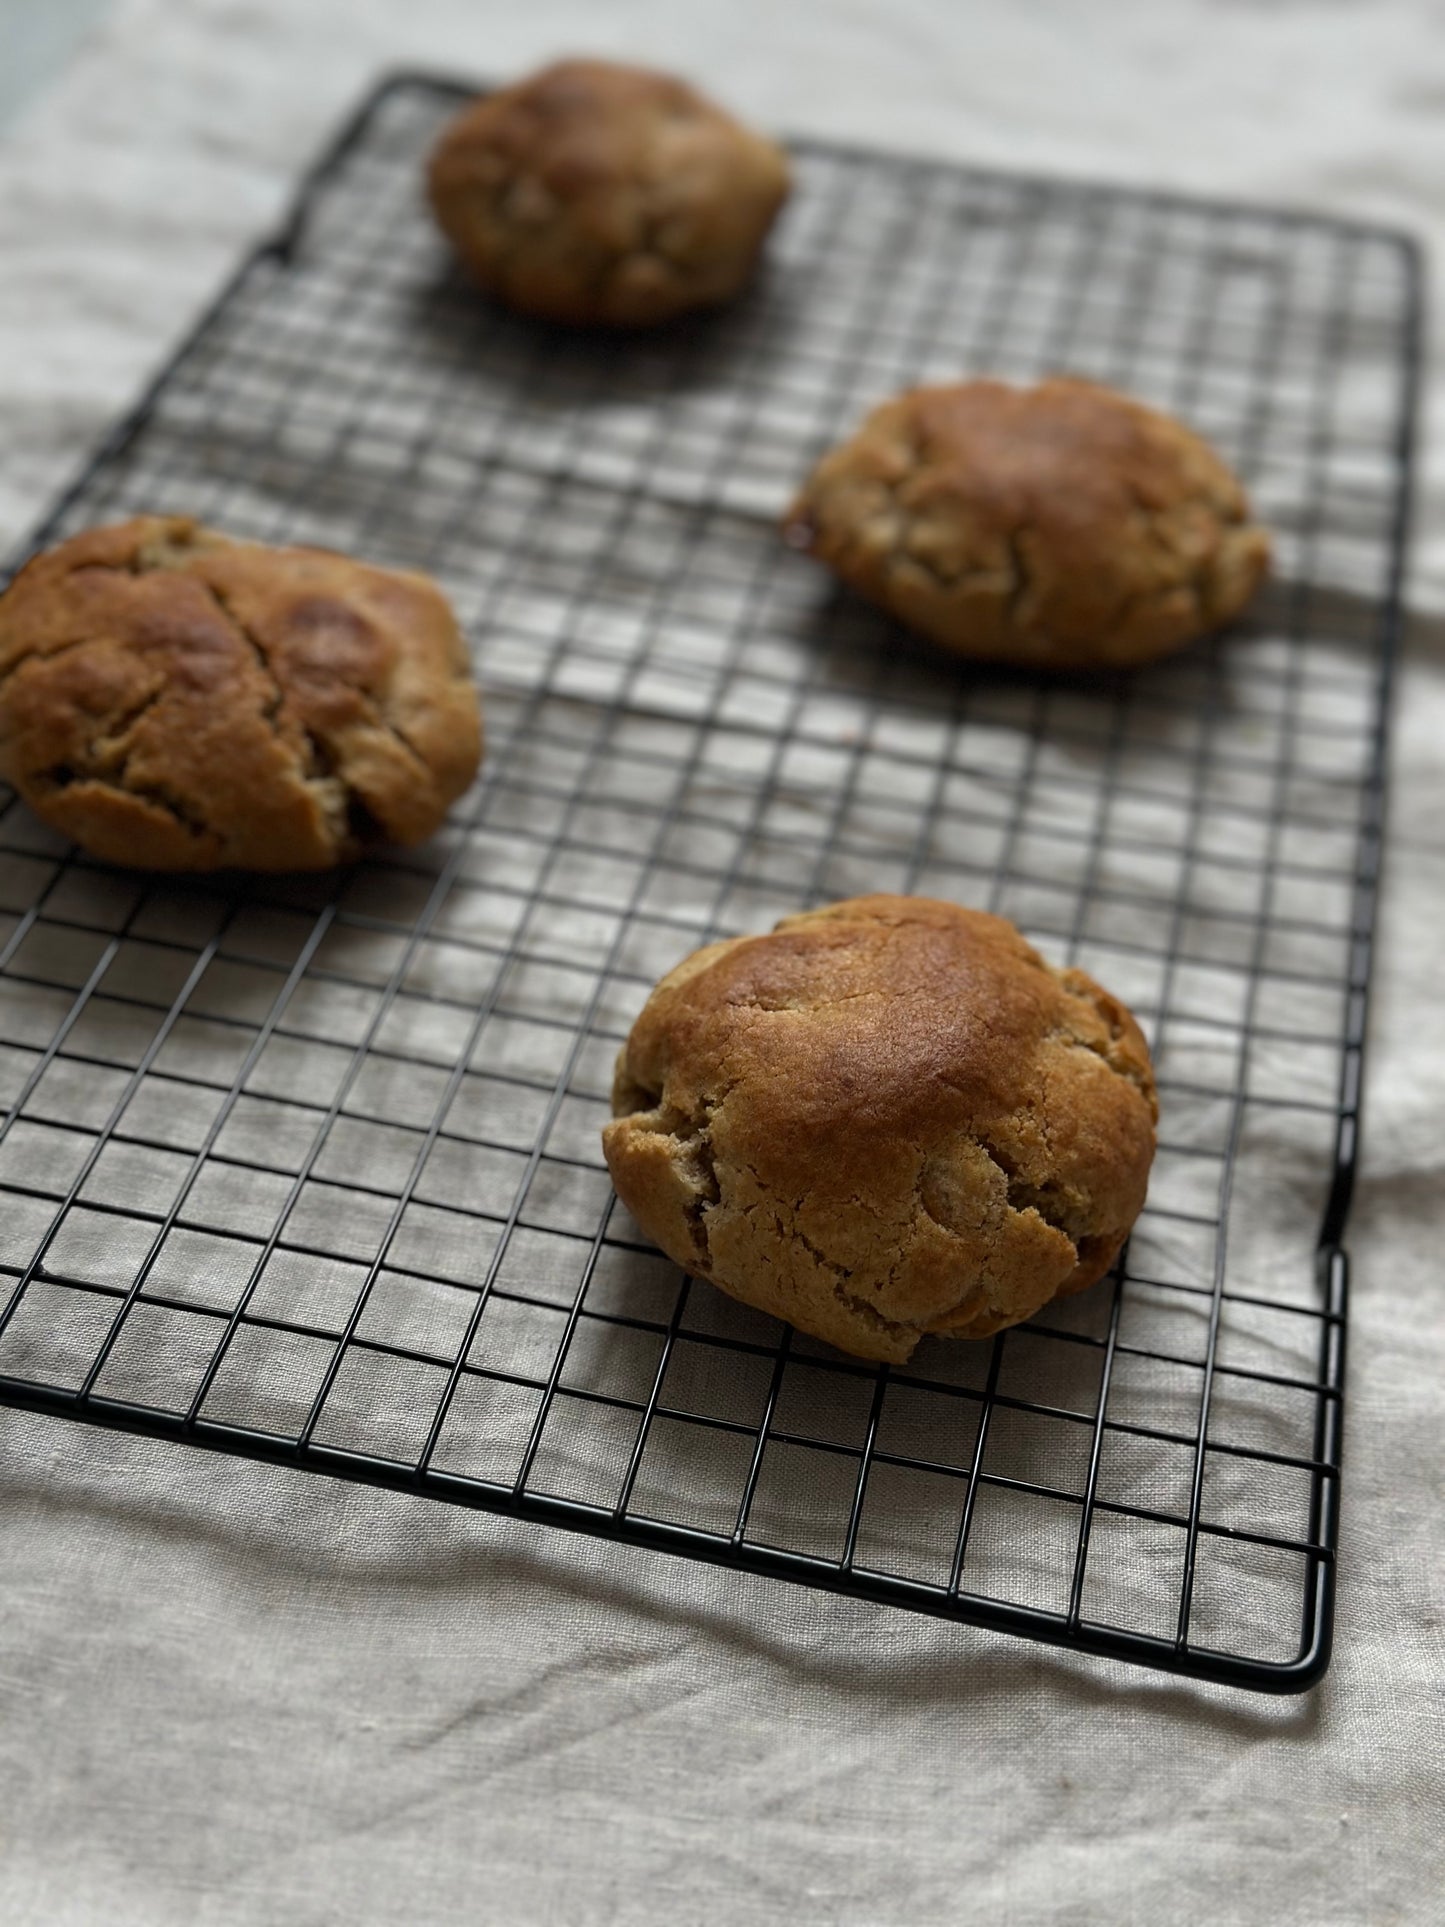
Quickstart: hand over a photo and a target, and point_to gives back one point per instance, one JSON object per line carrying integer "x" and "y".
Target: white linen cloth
{"x": 236, "y": 1694}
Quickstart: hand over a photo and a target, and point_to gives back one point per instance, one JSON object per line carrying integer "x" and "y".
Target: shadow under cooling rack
{"x": 308, "y": 1169}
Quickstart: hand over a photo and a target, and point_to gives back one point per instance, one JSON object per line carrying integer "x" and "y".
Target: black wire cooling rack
{"x": 308, "y": 1170}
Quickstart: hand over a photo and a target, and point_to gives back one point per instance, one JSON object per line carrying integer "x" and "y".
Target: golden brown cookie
{"x": 1059, "y": 527}
{"x": 593, "y": 193}
{"x": 887, "y": 1118}
{"x": 178, "y": 701}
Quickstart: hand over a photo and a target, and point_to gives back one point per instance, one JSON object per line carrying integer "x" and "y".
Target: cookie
{"x": 1058, "y": 527}
{"x": 178, "y": 701}
{"x": 887, "y": 1118}
{"x": 605, "y": 195}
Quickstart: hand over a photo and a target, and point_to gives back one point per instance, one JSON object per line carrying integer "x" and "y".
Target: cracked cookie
{"x": 887, "y": 1118}
{"x": 598, "y": 194}
{"x": 1057, "y": 527}
{"x": 178, "y": 701}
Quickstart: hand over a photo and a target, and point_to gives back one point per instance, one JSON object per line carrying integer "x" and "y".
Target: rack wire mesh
{"x": 309, "y": 1169}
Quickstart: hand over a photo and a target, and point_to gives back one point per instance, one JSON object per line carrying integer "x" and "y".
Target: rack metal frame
{"x": 686, "y": 729}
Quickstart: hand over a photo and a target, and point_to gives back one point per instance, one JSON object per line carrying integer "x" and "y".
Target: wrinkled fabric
{"x": 235, "y": 1694}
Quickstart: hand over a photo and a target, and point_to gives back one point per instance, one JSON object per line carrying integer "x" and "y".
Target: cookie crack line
{"x": 62, "y": 777}
{"x": 359, "y": 821}
{"x": 277, "y": 700}
{"x": 691, "y": 1136}
{"x": 1023, "y": 582}
{"x": 1132, "y": 1074}
{"x": 900, "y": 557}
{"x": 44, "y": 655}
{"x": 701, "y": 1155}
{"x": 1022, "y": 1196}
{"x": 860, "y": 1308}
{"x": 815, "y": 1252}
{"x": 395, "y": 730}
{"x": 851, "y": 1301}
{"x": 803, "y": 529}
{"x": 1191, "y": 581}
{"x": 117, "y": 730}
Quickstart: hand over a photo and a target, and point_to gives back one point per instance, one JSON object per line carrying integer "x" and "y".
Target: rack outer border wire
{"x": 1061, "y": 1629}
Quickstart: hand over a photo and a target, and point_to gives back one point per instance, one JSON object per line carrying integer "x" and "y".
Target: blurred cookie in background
{"x": 1058, "y": 527}
{"x": 606, "y": 195}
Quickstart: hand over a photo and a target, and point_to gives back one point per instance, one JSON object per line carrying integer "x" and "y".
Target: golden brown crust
{"x": 593, "y": 193}
{"x": 886, "y": 1118}
{"x": 178, "y": 701}
{"x": 1063, "y": 526}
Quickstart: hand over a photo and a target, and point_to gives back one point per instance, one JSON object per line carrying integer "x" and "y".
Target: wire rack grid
{"x": 308, "y": 1170}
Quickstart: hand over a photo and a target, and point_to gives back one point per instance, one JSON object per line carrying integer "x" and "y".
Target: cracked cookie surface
{"x": 1063, "y": 526}
{"x": 887, "y": 1118}
{"x": 592, "y": 193}
{"x": 174, "y": 700}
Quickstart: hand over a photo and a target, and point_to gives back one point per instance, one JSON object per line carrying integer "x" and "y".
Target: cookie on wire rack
{"x": 604, "y": 195}
{"x": 884, "y": 1119}
{"x": 1064, "y": 526}
{"x": 175, "y": 700}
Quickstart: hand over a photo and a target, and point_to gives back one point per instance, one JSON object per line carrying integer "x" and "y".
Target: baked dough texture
{"x": 1060, "y": 527}
{"x": 178, "y": 701}
{"x": 887, "y": 1118}
{"x": 599, "y": 194}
